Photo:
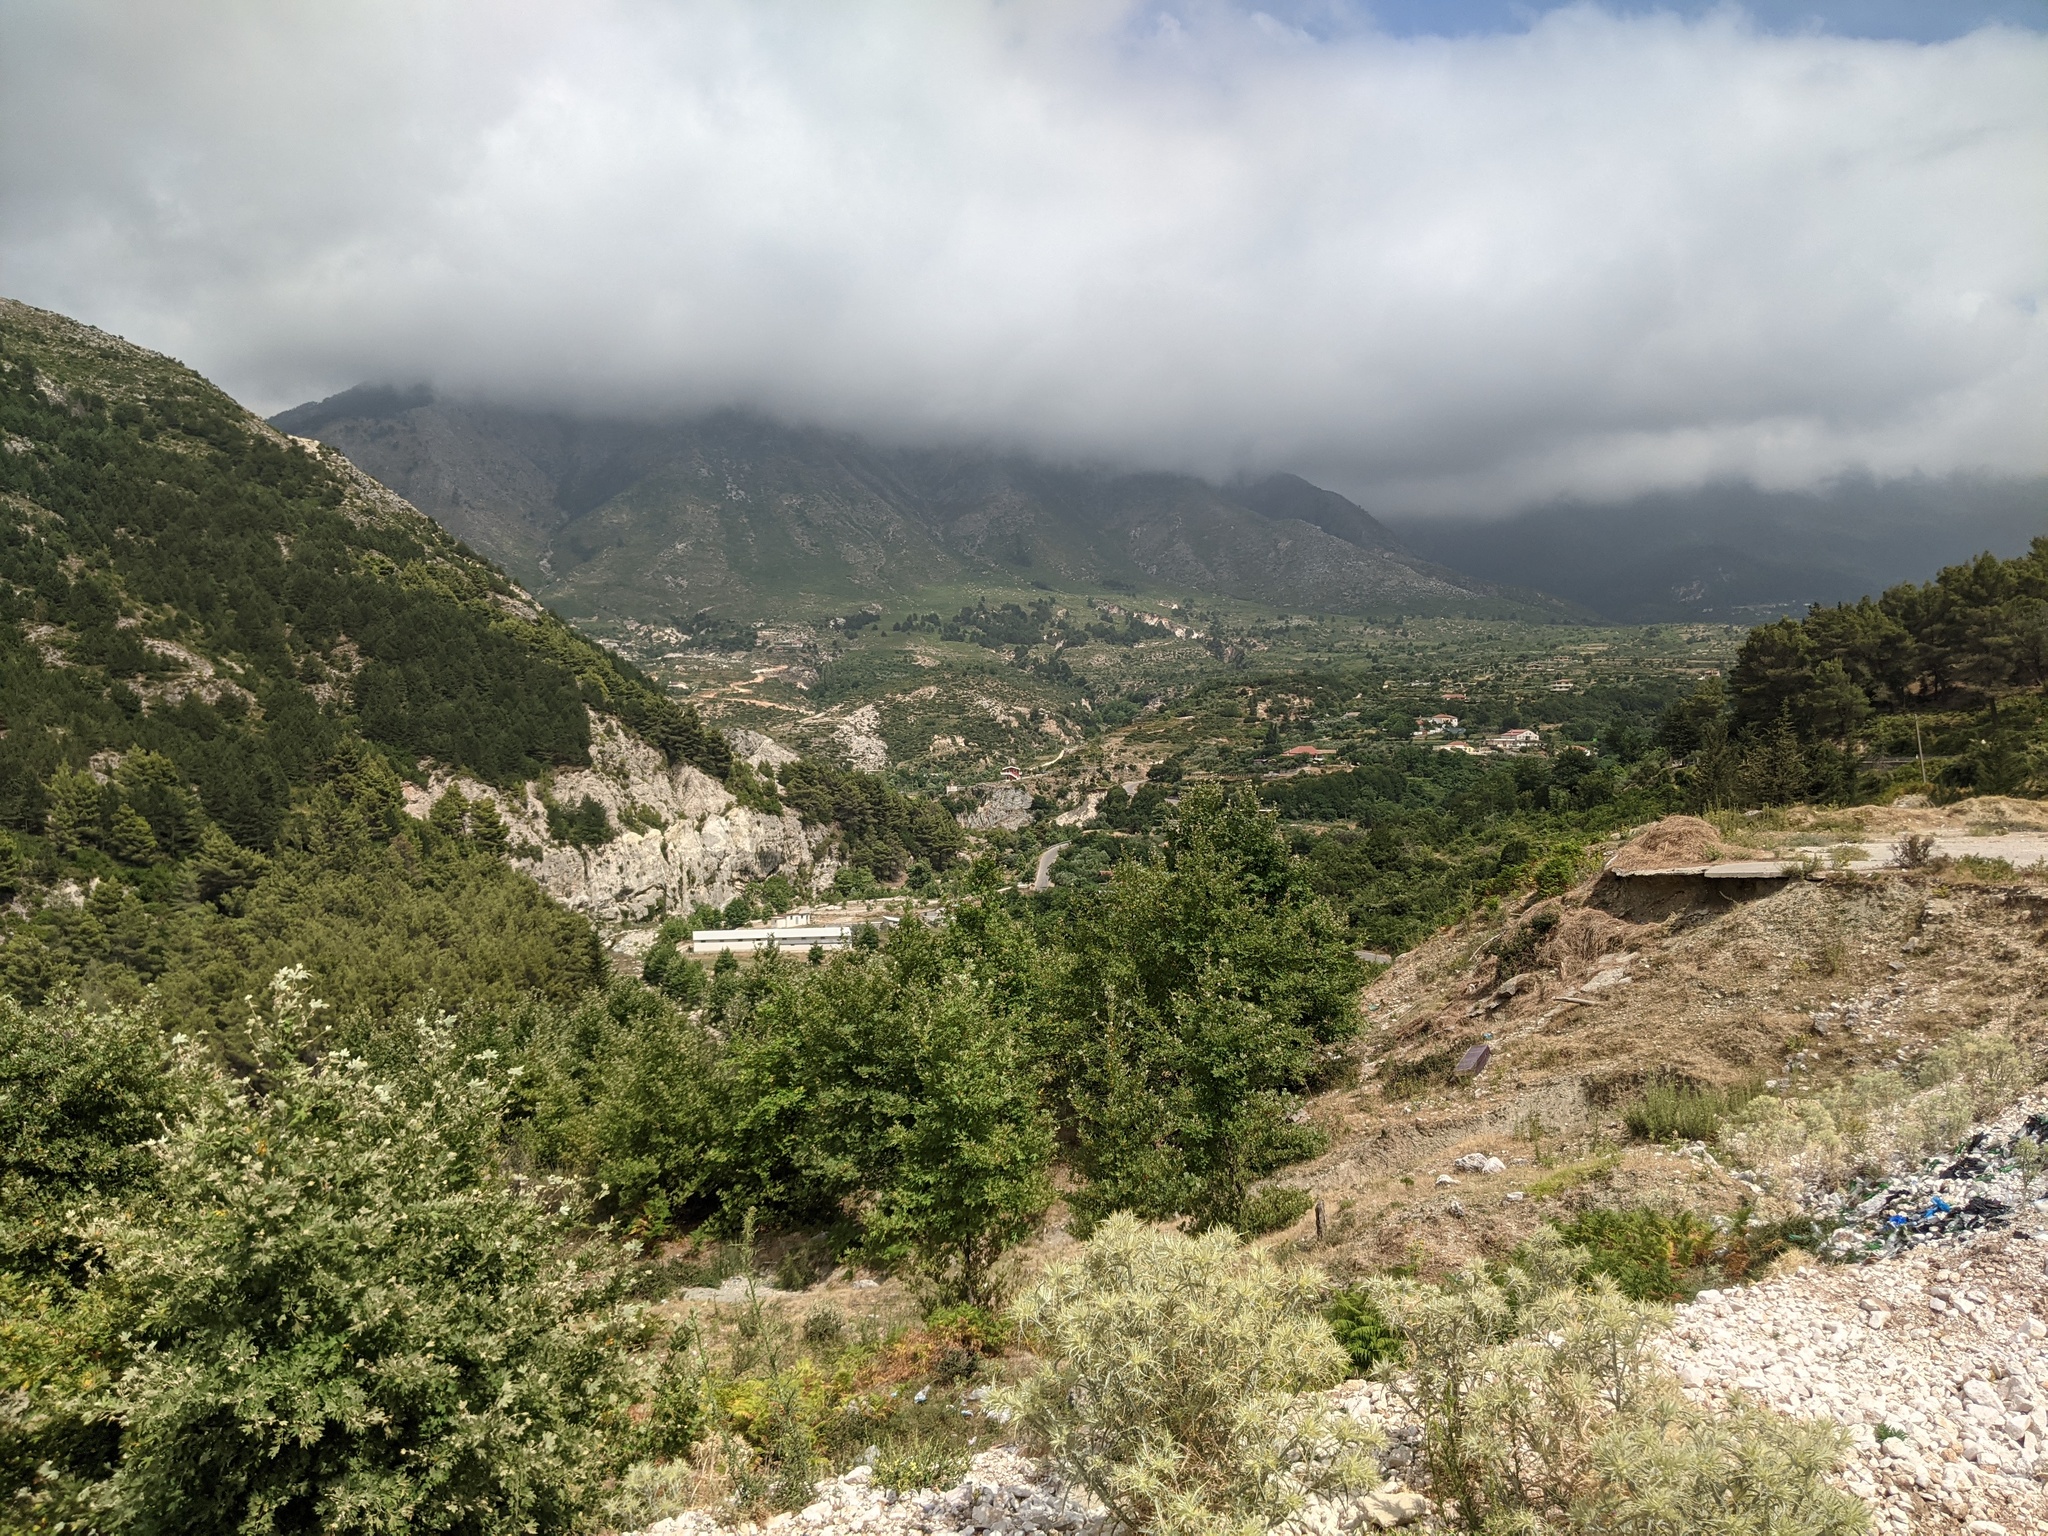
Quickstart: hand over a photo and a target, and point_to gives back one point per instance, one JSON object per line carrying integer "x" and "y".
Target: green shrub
{"x": 971, "y": 1326}
{"x": 679, "y": 1408}
{"x": 1644, "y": 1252}
{"x": 919, "y": 1461}
{"x": 1178, "y": 1382}
{"x": 1676, "y": 1111}
{"x": 1555, "y": 875}
{"x": 1515, "y": 950}
{"x": 342, "y": 1317}
{"x": 1275, "y": 1206}
{"x": 1409, "y": 1079}
{"x": 1366, "y": 1336}
{"x": 824, "y": 1326}
{"x": 83, "y": 1095}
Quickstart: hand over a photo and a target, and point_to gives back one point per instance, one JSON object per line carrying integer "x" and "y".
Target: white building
{"x": 782, "y": 935}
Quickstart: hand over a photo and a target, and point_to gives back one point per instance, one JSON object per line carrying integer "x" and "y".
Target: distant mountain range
{"x": 1736, "y": 555}
{"x": 733, "y": 513}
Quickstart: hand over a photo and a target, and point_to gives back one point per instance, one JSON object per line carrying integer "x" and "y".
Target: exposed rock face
{"x": 1007, "y": 806}
{"x": 708, "y": 847}
{"x": 758, "y": 749}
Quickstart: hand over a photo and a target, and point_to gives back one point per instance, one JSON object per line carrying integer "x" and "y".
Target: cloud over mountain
{"x": 1603, "y": 255}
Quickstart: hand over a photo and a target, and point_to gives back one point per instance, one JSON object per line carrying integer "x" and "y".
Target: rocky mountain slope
{"x": 180, "y": 580}
{"x": 733, "y": 513}
{"x": 683, "y": 839}
{"x": 1585, "y": 999}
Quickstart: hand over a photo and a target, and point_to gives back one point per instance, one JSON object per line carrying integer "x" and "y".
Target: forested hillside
{"x": 1950, "y": 673}
{"x": 220, "y": 651}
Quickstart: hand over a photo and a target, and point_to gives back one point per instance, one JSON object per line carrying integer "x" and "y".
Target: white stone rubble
{"x": 1009, "y": 1494}
{"x": 1934, "y": 1361}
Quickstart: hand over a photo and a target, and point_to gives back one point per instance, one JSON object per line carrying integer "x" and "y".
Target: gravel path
{"x": 1007, "y": 1493}
{"x": 1943, "y": 1350}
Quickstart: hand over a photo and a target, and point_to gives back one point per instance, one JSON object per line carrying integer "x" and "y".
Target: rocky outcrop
{"x": 1004, "y": 806}
{"x": 681, "y": 838}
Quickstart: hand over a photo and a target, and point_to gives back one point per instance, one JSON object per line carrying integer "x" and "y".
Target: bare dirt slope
{"x": 1587, "y": 997}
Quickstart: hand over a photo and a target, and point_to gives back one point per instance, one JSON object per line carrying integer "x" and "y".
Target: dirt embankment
{"x": 1586, "y": 998}
{"x": 1677, "y": 841}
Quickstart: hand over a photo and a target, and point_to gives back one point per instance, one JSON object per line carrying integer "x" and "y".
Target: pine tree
{"x": 129, "y": 837}
{"x": 74, "y": 817}
{"x": 487, "y": 828}
{"x": 450, "y": 815}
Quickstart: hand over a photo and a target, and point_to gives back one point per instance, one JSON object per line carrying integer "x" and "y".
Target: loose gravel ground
{"x": 1935, "y": 1362}
{"x": 1008, "y": 1493}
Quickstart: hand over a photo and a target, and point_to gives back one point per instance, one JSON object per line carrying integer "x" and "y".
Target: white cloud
{"x": 1605, "y": 255}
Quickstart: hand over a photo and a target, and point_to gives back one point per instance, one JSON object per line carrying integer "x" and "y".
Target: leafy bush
{"x": 1170, "y": 1387}
{"x": 1436, "y": 1069}
{"x": 1675, "y": 1111}
{"x": 1270, "y": 1209}
{"x": 342, "y": 1318}
{"x": 83, "y": 1093}
{"x": 919, "y": 1461}
{"x": 1644, "y": 1252}
{"x": 1516, "y": 949}
{"x": 1555, "y": 874}
{"x": 824, "y": 1325}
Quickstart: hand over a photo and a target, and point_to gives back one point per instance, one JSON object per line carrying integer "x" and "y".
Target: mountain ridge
{"x": 733, "y": 512}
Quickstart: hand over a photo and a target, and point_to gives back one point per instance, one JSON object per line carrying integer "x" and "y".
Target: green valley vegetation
{"x": 1159, "y": 1032}
{"x": 191, "y": 1355}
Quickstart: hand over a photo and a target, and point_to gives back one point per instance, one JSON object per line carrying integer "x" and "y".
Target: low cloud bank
{"x": 1605, "y": 255}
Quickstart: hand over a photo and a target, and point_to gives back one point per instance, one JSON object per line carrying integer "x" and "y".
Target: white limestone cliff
{"x": 708, "y": 847}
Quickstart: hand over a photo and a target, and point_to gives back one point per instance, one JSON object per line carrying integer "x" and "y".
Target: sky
{"x": 1443, "y": 255}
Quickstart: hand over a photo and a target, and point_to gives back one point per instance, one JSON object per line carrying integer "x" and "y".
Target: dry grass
{"x": 1720, "y": 991}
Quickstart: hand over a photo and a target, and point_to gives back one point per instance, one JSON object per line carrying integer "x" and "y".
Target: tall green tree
{"x": 1205, "y": 993}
